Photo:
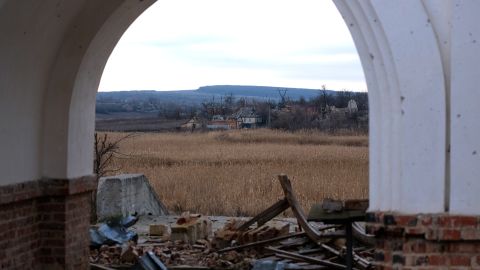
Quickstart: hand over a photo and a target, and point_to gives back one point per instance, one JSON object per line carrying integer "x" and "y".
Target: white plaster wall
{"x": 465, "y": 108}
{"x": 30, "y": 34}
{"x": 402, "y": 65}
{"x": 419, "y": 183}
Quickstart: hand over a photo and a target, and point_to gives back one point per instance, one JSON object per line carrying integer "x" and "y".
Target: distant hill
{"x": 261, "y": 92}
{"x": 207, "y": 93}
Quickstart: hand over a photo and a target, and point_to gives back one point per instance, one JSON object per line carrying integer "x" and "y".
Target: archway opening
{"x": 285, "y": 49}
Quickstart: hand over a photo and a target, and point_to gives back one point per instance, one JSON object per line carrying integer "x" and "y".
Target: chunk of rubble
{"x": 228, "y": 234}
{"x": 190, "y": 228}
{"x": 260, "y": 242}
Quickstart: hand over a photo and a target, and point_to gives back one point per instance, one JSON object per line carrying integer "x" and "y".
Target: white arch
{"x": 93, "y": 34}
{"x": 72, "y": 40}
{"x": 402, "y": 66}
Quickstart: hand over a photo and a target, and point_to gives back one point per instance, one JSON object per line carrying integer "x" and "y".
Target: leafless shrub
{"x": 105, "y": 151}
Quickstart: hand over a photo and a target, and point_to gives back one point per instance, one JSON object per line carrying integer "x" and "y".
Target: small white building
{"x": 246, "y": 117}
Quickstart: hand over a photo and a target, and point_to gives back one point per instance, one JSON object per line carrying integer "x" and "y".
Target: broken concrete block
{"x": 127, "y": 194}
{"x": 191, "y": 229}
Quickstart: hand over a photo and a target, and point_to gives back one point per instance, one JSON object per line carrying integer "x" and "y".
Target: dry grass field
{"x": 234, "y": 172}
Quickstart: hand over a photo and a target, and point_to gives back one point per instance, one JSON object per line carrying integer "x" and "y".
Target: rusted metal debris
{"x": 258, "y": 241}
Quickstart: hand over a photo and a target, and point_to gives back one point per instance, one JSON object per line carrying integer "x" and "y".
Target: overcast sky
{"x": 184, "y": 44}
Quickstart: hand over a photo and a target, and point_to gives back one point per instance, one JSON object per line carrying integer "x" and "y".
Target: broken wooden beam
{"x": 266, "y": 215}
{"x": 313, "y": 234}
{"x": 275, "y": 239}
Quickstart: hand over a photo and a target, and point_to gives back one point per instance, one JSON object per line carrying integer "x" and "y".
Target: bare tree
{"x": 105, "y": 151}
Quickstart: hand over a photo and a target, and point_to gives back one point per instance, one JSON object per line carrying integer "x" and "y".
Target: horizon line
{"x": 244, "y": 85}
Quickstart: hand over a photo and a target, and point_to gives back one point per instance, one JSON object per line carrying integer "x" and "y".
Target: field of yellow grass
{"x": 234, "y": 172}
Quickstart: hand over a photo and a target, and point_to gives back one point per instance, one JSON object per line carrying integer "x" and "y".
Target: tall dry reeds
{"x": 234, "y": 172}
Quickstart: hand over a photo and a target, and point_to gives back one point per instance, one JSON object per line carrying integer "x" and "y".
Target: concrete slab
{"x": 127, "y": 194}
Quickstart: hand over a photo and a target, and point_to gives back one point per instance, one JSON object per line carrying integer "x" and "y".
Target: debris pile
{"x": 323, "y": 240}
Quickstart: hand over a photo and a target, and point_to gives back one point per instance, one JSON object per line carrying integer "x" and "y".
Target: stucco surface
{"x": 127, "y": 194}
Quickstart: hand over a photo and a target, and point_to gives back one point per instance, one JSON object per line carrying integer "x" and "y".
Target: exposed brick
{"x": 431, "y": 242}
{"x": 464, "y": 221}
{"x": 445, "y": 221}
{"x": 436, "y": 247}
{"x": 470, "y": 234}
{"x": 409, "y": 220}
{"x": 463, "y": 247}
{"x": 460, "y": 260}
{"x": 415, "y": 230}
{"x": 37, "y": 232}
{"x": 437, "y": 259}
{"x": 450, "y": 234}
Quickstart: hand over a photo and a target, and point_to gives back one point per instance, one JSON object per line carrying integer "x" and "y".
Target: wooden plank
{"x": 310, "y": 251}
{"x": 313, "y": 234}
{"x": 259, "y": 243}
{"x": 266, "y": 215}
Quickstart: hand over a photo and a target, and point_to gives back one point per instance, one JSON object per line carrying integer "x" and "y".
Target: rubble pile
{"x": 325, "y": 240}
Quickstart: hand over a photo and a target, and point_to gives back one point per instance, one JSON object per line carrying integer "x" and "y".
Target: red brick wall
{"x": 19, "y": 235}
{"x": 426, "y": 241}
{"x": 44, "y": 224}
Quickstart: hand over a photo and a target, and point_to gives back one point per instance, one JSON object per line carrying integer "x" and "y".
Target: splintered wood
{"x": 261, "y": 241}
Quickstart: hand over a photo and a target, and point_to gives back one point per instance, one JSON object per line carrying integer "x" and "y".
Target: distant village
{"x": 328, "y": 111}
{"x": 286, "y": 114}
